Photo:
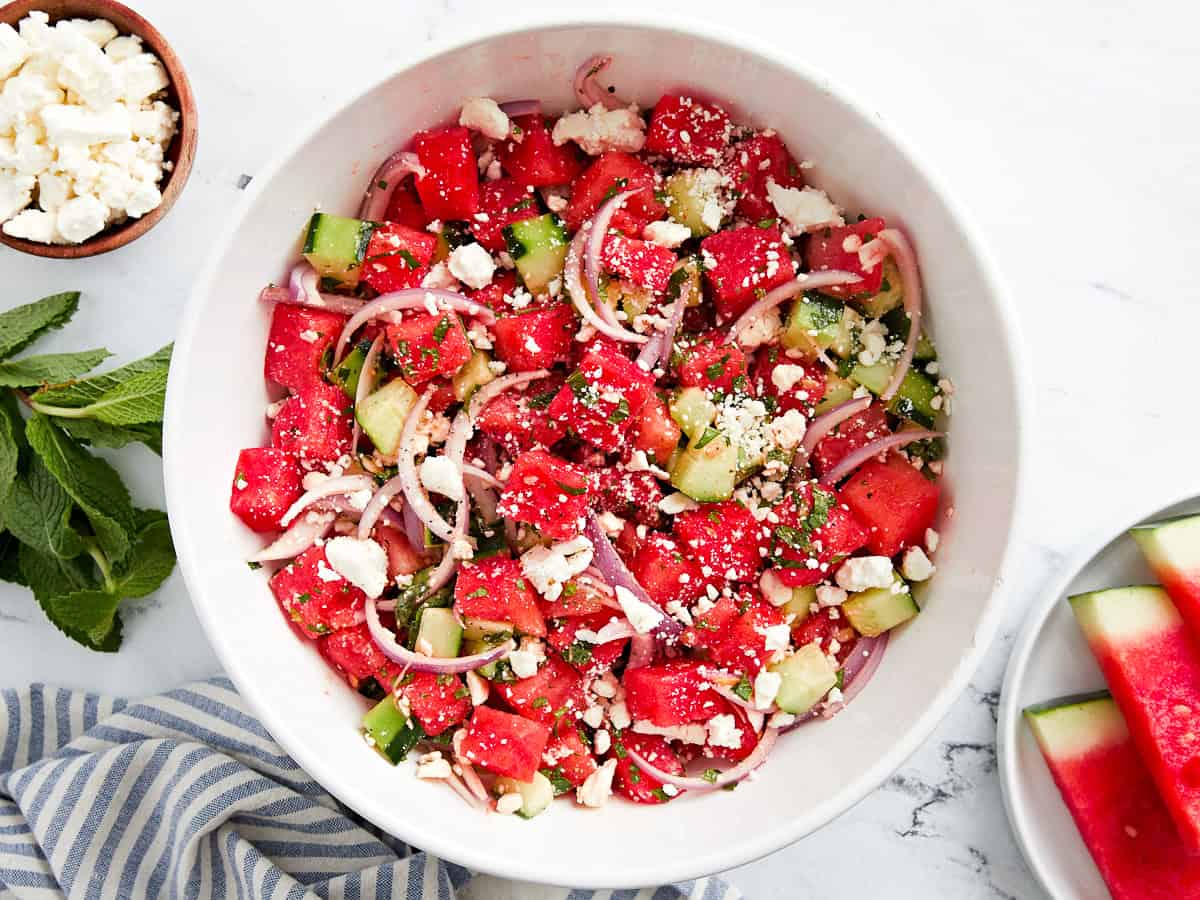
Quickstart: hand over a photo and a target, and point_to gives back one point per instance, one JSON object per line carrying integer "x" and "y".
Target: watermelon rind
{"x": 1075, "y": 725}
{"x": 1124, "y": 613}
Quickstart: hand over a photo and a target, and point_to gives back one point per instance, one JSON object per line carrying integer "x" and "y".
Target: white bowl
{"x": 215, "y": 407}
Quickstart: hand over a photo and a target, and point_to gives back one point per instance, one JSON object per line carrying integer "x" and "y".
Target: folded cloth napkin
{"x": 186, "y": 795}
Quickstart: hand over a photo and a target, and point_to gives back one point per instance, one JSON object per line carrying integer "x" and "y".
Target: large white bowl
{"x": 215, "y": 407}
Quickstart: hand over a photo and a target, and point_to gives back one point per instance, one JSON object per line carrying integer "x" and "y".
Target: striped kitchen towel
{"x": 186, "y": 795}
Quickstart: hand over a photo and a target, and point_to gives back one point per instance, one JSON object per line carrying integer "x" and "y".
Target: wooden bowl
{"x": 181, "y": 150}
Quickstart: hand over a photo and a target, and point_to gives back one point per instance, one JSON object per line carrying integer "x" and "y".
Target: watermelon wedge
{"x": 1172, "y": 549}
{"x": 1112, "y": 798}
{"x": 1153, "y": 670}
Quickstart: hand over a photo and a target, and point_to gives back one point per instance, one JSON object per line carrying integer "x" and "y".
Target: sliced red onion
{"x": 303, "y": 282}
{"x": 803, "y": 282}
{"x": 330, "y": 487}
{"x": 468, "y": 771}
{"x": 383, "y": 184}
{"x": 618, "y": 630}
{"x": 378, "y": 503}
{"x": 587, "y": 91}
{"x": 856, "y": 458}
{"x": 485, "y": 498}
{"x": 715, "y": 678}
{"x": 302, "y": 534}
{"x": 616, "y": 573}
{"x": 493, "y": 389}
{"x": 410, "y": 485}
{"x": 658, "y": 348}
{"x": 445, "y": 570}
{"x": 481, "y": 475}
{"x": 572, "y": 275}
{"x": 346, "y": 306}
{"x": 597, "y": 231}
{"x": 366, "y": 381}
{"x": 413, "y": 529}
{"x": 826, "y": 422}
{"x": 730, "y": 776}
{"x": 419, "y": 662}
{"x": 910, "y": 279}
{"x": 641, "y": 651}
{"x": 514, "y": 108}
{"x": 410, "y": 298}
{"x": 862, "y": 664}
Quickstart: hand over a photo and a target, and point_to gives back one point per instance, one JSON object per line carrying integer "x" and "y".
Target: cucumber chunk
{"x": 335, "y": 246}
{"x": 348, "y": 370}
{"x": 914, "y": 399}
{"x": 878, "y": 610}
{"x": 471, "y": 647}
{"x": 838, "y": 390}
{"x": 801, "y": 603}
{"x": 890, "y": 295}
{"x": 688, "y": 194}
{"x": 685, "y": 282}
{"x": 487, "y": 631}
{"x": 440, "y": 629}
{"x": 535, "y": 795}
{"x": 382, "y": 414}
{"x": 474, "y": 374}
{"x": 390, "y": 732}
{"x": 692, "y": 411}
{"x": 897, "y": 324}
{"x": 806, "y": 676}
{"x": 538, "y": 247}
{"x": 823, "y": 321}
{"x": 707, "y": 470}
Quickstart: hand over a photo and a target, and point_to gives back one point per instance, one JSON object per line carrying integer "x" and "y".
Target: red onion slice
{"x": 715, "y": 679}
{"x": 330, "y": 487}
{"x": 304, "y": 283}
{"x": 410, "y": 485}
{"x": 572, "y": 275}
{"x": 468, "y": 771}
{"x": 730, "y": 776}
{"x": 378, "y": 503}
{"x": 445, "y": 570}
{"x": 855, "y": 459}
{"x": 641, "y": 651}
{"x": 514, "y": 108}
{"x": 616, "y": 573}
{"x": 410, "y": 298}
{"x": 413, "y": 529}
{"x": 366, "y": 381}
{"x": 826, "y": 422}
{"x": 910, "y": 279}
{"x": 390, "y": 173}
{"x": 597, "y": 231}
{"x": 482, "y": 476}
{"x": 302, "y": 534}
{"x": 862, "y": 664}
{"x": 587, "y": 91}
{"x": 658, "y": 348}
{"x": 419, "y": 662}
{"x": 347, "y": 306}
{"x": 803, "y": 282}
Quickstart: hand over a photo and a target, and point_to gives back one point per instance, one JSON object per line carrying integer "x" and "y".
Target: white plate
{"x": 1051, "y": 659}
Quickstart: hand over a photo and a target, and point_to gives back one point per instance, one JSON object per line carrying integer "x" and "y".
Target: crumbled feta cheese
{"x": 676, "y": 503}
{"x": 508, "y": 804}
{"x": 605, "y": 686}
{"x": 830, "y": 595}
{"x": 362, "y": 563}
{"x": 775, "y": 591}
{"x": 743, "y": 421}
{"x": 13, "y": 50}
{"x": 694, "y": 733}
{"x": 433, "y": 767}
{"x": 594, "y": 716}
{"x": 781, "y": 719}
{"x": 550, "y": 568}
{"x": 932, "y": 539}
{"x": 642, "y": 616}
{"x": 666, "y": 234}
{"x": 618, "y": 714}
{"x": 803, "y": 209}
{"x": 786, "y": 376}
{"x": 596, "y": 790}
{"x": 874, "y": 343}
{"x": 33, "y": 225}
{"x": 439, "y": 277}
{"x": 777, "y": 637}
{"x": 483, "y": 114}
{"x": 524, "y": 663}
{"x": 915, "y": 565}
{"x": 861, "y": 573}
{"x": 440, "y": 476}
{"x": 762, "y": 329}
{"x": 600, "y": 130}
{"x": 766, "y": 688}
{"x": 472, "y": 265}
{"x": 479, "y": 688}
{"x": 601, "y": 741}
{"x": 723, "y": 731}
{"x": 612, "y": 524}
{"x": 788, "y": 430}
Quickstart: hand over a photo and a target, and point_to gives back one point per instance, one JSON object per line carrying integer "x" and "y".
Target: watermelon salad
{"x": 604, "y": 452}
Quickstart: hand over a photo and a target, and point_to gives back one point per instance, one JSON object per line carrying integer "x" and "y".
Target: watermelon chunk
{"x": 613, "y": 173}
{"x": 631, "y": 781}
{"x": 531, "y": 157}
{"x": 895, "y": 501}
{"x": 505, "y": 744}
{"x": 297, "y": 343}
{"x": 754, "y": 162}
{"x": 645, "y": 264}
{"x": 1111, "y": 796}
{"x": 437, "y": 701}
{"x": 536, "y": 337}
{"x": 425, "y": 345}
{"x": 554, "y": 694}
{"x": 354, "y": 653}
{"x": 397, "y": 257}
{"x": 450, "y": 188}
{"x": 547, "y": 492}
{"x": 314, "y": 597}
{"x": 827, "y": 250}
{"x": 687, "y": 130}
{"x": 1153, "y": 670}
{"x": 495, "y": 589}
{"x": 266, "y": 482}
{"x": 501, "y": 203}
{"x": 1172, "y": 550}
{"x": 741, "y": 264}
{"x": 314, "y": 426}
{"x": 670, "y": 694}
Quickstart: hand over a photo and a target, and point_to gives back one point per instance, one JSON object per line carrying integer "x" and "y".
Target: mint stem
{"x": 102, "y": 564}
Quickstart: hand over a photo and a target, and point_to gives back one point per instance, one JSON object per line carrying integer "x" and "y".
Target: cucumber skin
{"x": 538, "y": 247}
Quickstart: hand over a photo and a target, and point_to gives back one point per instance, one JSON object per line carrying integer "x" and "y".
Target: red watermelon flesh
{"x": 1172, "y": 550}
{"x": 1153, "y": 670}
{"x": 1112, "y": 797}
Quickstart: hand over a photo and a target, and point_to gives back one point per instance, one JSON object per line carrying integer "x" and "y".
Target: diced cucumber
{"x": 475, "y": 373}
{"x": 440, "y": 629}
{"x": 685, "y": 282}
{"x": 914, "y": 399}
{"x": 335, "y": 246}
{"x": 890, "y": 295}
{"x": 806, "y": 676}
{"x": 878, "y": 610}
{"x": 345, "y": 375}
{"x": 688, "y": 193}
{"x": 897, "y": 324}
{"x": 538, "y": 247}
{"x": 471, "y": 647}
{"x": 824, "y": 321}
{"x": 451, "y": 236}
{"x": 838, "y": 390}
{"x": 707, "y": 470}
{"x": 382, "y": 413}
{"x": 692, "y": 411}
{"x": 487, "y": 631}
{"x": 390, "y": 732}
{"x": 535, "y": 795}
{"x": 801, "y": 603}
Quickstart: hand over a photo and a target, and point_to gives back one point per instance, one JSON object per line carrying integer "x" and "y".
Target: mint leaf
{"x": 88, "y": 616}
{"x": 91, "y": 482}
{"x": 10, "y": 448}
{"x": 152, "y": 559}
{"x": 10, "y": 561}
{"x": 101, "y": 434}
{"x": 89, "y": 390}
{"x": 22, "y": 325}
{"x": 51, "y": 368}
{"x": 37, "y": 511}
{"x": 49, "y": 576}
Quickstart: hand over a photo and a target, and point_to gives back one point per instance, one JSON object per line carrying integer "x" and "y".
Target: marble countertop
{"x": 1069, "y": 130}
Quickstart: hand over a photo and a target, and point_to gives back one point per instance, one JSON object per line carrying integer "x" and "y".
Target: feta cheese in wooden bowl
{"x": 97, "y": 127}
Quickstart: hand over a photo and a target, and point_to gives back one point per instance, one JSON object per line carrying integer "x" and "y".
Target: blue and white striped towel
{"x": 186, "y": 795}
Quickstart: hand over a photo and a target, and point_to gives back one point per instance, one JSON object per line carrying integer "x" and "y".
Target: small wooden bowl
{"x": 181, "y": 150}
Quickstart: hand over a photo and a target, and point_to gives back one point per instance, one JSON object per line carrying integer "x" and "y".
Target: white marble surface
{"x": 1070, "y": 130}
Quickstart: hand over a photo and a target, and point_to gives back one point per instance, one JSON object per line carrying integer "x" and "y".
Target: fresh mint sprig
{"x": 70, "y": 531}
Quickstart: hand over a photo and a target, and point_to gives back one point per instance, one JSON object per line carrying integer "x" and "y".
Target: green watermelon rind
{"x": 1071, "y": 726}
{"x": 1172, "y": 543}
{"x": 1115, "y": 615}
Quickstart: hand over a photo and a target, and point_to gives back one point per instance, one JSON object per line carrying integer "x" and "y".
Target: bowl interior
{"x": 216, "y": 403}
{"x": 179, "y": 152}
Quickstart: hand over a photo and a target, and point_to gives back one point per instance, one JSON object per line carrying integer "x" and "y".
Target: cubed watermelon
{"x": 501, "y": 203}
{"x": 688, "y": 131}
{"x": 498, "y": 295}
{"x": 602, "y": 396}
{"x": 827, "y": 250}
{"x": 1112, "y": 797}
{"x": 654, "y": 432}
{"x": 754, "y": 162}
{"x": 297, "y": 343}
{"x": 266, "y": 482}
{"x": 812, "y": 534}
{"x": 610, "y": 174}
{"x": 570, "y": 756}
{"x": 822, "y": 629}
{"x": 724, "y": 540}
{"x": 450, "y": 188}
{"x": 580, "y": 597}
{"x": 1172, "y": 550}
{"x": 425, "y": 346}
{"x": 640, "y": 262}
{"x": 895, "y": 501}
{"x": 852, "y": 434}
{"x": 549, "y": 493}
{"x": 354, "y": 653}
{"x": 404, "y": 208}
{"x": 1152, "y": 666}
{"x": 437, "y": 701}
{"x": 798, "y": 386}
{"x": 531, "y": 157}
{"x": 495, "y": 589}
{"x": 669, "y": 694}
{"x": 505, "y": 744}
{"x": 739, "y": 644}
{"x": 536, "y": 337}
{"x": 314, "y": 426}
{"x": 630, "y": 780}
{"x": 630, "y": 495}
{"x": 554, "y": 696}
{"x": 397, "y": 257}
{"x": 740, "y": 264}
{"x": 667, "y": 573}
{"x": 316, "y": 598}
{"x": 586, "y": 657}
{"x": 518, "y": 421}
{"x": 714, "y": 365}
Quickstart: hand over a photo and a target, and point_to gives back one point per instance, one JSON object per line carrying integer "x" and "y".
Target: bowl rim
{"x": 756, "y": 843}
{"x": 173, "y": 183}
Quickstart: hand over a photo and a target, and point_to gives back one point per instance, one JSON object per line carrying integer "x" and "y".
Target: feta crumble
{"x": 915, "y": 565}
{"x": 766, "y": 688}
{"x": 803, "y": 209}
{"x": 550, "y": 568}
{"x": 362, "y": 563}
{"x": 440, "y": 476}
{"x": 642, "y": 616}
{"x": 666, "y": 234}
{"x": 723, "y": 731}
{"x": 596, "y": 790}
{"x": 472, "y": 265}
{"x": 483, "y": 114}
{"x": 599, "y": 130}
{"x": 861, "y": 573}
